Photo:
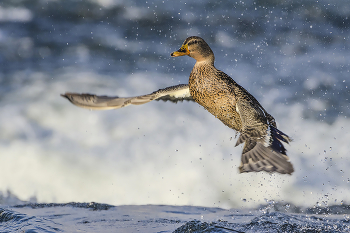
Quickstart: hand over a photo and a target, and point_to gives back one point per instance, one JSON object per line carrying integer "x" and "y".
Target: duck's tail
{"x": 275, "y": 138}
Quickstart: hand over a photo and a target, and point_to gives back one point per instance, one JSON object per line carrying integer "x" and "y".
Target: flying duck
{"x": 220, "y": 95}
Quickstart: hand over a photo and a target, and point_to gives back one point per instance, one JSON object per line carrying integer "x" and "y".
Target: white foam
{"x": 158, "y": 153}
{"x": 15, "y": 14}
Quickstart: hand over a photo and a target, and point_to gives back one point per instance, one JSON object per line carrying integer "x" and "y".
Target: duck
{"x": 220, "y": 95}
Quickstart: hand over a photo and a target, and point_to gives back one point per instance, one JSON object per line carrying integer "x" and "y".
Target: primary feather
{"x": 97, "y": 102}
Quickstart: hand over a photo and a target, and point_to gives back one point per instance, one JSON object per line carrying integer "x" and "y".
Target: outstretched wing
{"x": 174, "y": 94}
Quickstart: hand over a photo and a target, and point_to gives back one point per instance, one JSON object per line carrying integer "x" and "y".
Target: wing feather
{"x": 262, "y": 158}
{"x": 174, "y": 94}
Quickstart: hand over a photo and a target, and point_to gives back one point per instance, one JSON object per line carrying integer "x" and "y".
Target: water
{"x": 292, "y": 56}
{"x": 95, "y": 217}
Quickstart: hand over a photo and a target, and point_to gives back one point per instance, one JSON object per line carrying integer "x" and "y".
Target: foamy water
{"x": 159, "y": 153}
{"x": 164, "y": 153}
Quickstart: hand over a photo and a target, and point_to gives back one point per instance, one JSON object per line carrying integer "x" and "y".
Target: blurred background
{"x": 293, "y": 56}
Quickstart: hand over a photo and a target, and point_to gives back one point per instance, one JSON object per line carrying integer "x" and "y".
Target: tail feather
{"x": 276, "y": 137}
{"x": 280, "y": 135}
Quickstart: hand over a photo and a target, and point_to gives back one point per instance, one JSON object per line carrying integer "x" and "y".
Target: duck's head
{"x": 196, "y": 48}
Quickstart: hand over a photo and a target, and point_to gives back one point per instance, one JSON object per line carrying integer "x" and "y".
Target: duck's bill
{"x": 181, "y": 52}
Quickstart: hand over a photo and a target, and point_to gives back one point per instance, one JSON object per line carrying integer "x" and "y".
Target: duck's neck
{"x": 202, "y": 70}
{"x": 202, "y": 65}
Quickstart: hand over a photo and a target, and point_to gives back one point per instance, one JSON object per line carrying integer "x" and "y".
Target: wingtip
{"x": 67, "y": 95}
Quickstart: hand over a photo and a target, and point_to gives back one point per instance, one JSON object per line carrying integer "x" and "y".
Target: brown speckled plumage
{"x": 238, "y": 109}
{"x": 225, "y": 99}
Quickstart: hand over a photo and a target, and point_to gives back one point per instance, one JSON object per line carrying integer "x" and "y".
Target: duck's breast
{"x": 216, "y": 96}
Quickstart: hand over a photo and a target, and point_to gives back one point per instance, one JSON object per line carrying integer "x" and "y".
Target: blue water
{"x": 293, "y": 56}
{"x": 94, "y": 217}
